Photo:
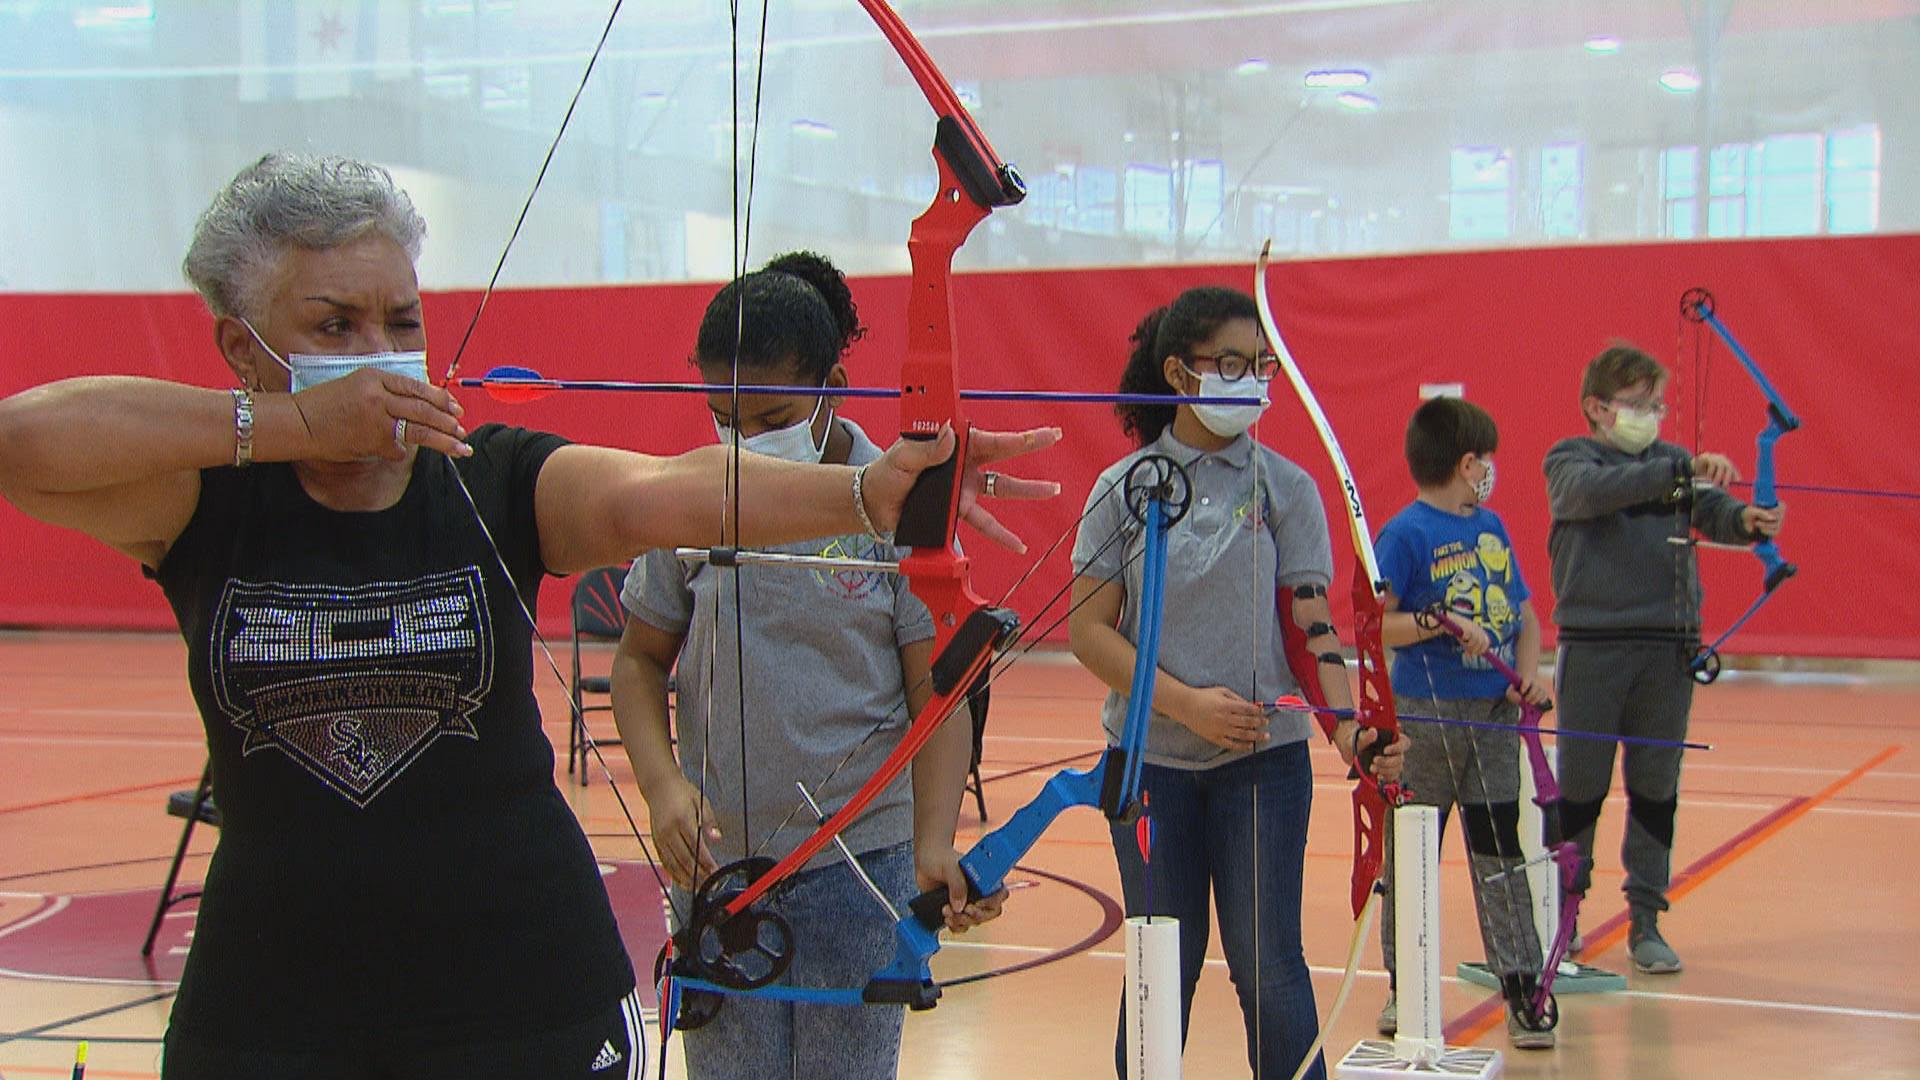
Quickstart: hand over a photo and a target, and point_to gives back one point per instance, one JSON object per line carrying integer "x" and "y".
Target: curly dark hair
{"x": 797, "y": 311}
{"x": 1193, "y": 317}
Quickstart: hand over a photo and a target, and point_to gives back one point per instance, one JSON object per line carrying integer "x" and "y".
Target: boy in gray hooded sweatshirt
{"x": 1627, "y": 604}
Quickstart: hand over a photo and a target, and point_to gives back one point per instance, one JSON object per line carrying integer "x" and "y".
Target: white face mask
{"x": 1483, "y": 487}
{"x": 1230, "y": 421}
{"x": 1633, "y": 430}
{"x": 310, "y": 370}
{"x": 793, "y": 443}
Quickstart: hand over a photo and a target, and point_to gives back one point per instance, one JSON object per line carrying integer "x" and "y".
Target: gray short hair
{"x": 291, "y": 200}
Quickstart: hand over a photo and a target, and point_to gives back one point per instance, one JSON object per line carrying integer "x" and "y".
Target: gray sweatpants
{"x": 1624, "y": 688}
{"x": 1479, "y": 771}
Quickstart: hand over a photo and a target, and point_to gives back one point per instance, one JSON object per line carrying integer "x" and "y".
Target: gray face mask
{"x": 312, "y": 369}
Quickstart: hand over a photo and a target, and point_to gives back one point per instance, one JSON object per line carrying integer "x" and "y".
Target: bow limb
{"x": 1372, "y": 799}
{"x": 1698, "y": 306}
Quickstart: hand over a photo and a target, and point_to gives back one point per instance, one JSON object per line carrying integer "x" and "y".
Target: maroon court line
{"x": 129, "y": 789}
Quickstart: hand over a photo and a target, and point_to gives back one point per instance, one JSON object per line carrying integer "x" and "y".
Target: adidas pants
{"x": 611, "y": 1045}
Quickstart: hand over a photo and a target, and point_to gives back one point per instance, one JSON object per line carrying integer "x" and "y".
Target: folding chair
{"x": 196, "y": 806}
{"x": 597, "y": 616}
{"x": 977, "y": 712}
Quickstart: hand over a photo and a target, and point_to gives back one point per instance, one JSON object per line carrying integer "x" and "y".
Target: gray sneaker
{"x": 1651, "y": 953}
{"x": 1525, "y": 1038}
{"x": 1388, "y": 1022}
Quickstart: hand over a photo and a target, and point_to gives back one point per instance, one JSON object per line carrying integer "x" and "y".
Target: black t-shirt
{"x": 394, "y": 859}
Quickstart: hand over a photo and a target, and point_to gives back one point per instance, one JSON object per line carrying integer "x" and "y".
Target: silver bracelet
{"x": 242, "y": 428}
{"x": 860, "y": 504}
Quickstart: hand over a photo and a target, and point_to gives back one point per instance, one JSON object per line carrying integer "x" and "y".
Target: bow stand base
{"x": 1574, "y": 978}
{"x": 1379, "y": 1058}
{"x": 1419, "y": 1048}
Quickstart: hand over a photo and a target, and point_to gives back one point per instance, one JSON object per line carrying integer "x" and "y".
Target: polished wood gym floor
{"x": 1796, "y": 904}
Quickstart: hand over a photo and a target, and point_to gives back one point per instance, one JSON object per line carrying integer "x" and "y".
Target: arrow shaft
{"x": 1563, "y": 733}
{"x": 1069, "y": 397}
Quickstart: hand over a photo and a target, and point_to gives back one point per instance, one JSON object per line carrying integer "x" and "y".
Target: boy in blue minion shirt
{"x": 1447, "y": 549}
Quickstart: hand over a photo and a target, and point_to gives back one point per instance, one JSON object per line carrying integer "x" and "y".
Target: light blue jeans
{"x": 1238, "y": 832}
{"x": 841, "y": 936}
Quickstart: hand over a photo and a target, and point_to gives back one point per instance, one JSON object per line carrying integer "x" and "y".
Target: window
{"x": 1787, "y": 191}
{"x": 1149, "y": 202}
{"x": 1562, "y": 192}
{"x": 1794, "y": 184}
{"x": 1679, "y": 188}
{"x": 1853, "y": 180}
{"x": 1206, "y": 195}
{"x": 1050, "y": 197}
{"x": 1478, "y": 206}
{"x": 1096, "y": 202}
{"x": 1727, "y": 182}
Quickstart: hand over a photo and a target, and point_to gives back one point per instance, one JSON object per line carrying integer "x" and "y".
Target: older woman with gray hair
{"x": 399, "y": 888}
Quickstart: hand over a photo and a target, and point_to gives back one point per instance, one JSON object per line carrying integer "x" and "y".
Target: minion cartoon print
{"x": 1479, "y": 585}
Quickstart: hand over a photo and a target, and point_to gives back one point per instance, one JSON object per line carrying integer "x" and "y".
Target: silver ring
{"x": 992, "y": 482}
{"x": 400, "y": 433}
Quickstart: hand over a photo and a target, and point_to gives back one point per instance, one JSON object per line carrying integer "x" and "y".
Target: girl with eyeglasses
{"x": 1227, "y": 780}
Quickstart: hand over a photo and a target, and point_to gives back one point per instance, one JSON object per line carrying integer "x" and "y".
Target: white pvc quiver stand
{"x": 1153, "y": 998}
{"x": 1419, "y": 1048}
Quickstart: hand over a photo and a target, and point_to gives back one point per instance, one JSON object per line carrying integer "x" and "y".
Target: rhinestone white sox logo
{"x": 353, "y": 683}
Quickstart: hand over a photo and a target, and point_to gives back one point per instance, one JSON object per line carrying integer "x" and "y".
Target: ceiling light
{"x": 1337, "y": 79}
{"x": 1251, "y": 66}
{"x": 1602, "y": 45}
{"x": 1358, "y": 102}
{"x": 1679, "y": 81}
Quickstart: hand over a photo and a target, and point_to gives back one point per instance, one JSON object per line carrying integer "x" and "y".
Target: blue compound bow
{"x": 1697, "y": 306}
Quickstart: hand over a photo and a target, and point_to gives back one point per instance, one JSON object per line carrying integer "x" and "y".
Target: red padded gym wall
{"x": 1829, "y": 319}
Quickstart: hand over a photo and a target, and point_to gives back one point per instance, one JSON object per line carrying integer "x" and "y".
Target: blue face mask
{"x": 311, "y": 370}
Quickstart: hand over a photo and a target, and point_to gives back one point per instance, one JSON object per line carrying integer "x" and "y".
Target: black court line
{"x": 39, "y": 1034}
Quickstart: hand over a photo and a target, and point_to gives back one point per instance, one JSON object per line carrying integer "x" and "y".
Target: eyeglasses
{"x": 1640, "y": 405}
{"x": 1234, "y": 366}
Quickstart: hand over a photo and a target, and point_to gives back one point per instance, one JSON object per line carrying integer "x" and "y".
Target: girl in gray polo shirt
{"x": 1227, "y": 780}
{"x": 826, "y": 653}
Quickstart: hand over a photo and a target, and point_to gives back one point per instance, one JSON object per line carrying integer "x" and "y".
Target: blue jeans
{"x": 1239, "y": 831}
{"x": 840, "y": 938}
